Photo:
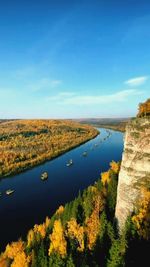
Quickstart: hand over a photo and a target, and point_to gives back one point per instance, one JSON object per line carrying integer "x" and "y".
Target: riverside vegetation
{"x": 114, "y": 124}
{"x": 26, "y": 143}
{"x": 84, "y": 232}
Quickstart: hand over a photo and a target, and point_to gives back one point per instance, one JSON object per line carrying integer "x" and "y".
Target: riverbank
{"x": 25, "y": 168}
{"x": 31, "y": 143}
{"x": 116, "y": 124}
{"x": 72, "y": 223}
{"x": 118, "y": 128}
{"x": 34, "y": 199}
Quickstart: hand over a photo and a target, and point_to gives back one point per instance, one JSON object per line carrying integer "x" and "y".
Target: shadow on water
{"x": 34, "y": 199}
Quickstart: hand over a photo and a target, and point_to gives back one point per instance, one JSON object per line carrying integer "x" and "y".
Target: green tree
{"x": 56, "y": 261}
{"x": 69, "y": 262}
{"x": 116, "y": 255}
{"x": 41, "y": 259}
{"x": 112, "y": 195}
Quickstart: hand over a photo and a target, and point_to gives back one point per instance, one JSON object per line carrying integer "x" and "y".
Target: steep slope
{"x": 78, "y": 234}
{"x": 135, "y": 167}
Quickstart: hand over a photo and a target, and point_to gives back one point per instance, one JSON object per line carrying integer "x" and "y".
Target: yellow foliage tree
{"x": 40, "y": 229}
{"x": 60, "y": 210}
{"x": 21, "y": 260}
{"x": 30, "y": 237}
{"x": 115, "y": 166}
{"x": 75, "y": 231}
{"x": 92, "y": 229}
{"x": 4, "y": 262}
{"x": 105, "y": 177}
{"x": 26, "y": 143}
{"x": 93, "y": 222}
{"x": 47, "y": 222}
{"x": 58, "y": 243}
{"x": 14, "y": 248}
{"x": 38, "y": 232}
{"x": 142, "y": 218}
{"x": 15, "y": 251}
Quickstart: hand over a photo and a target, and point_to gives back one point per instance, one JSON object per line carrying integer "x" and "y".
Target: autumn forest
{"x": 84, "y": 232}
{"x": 26, "y": 143}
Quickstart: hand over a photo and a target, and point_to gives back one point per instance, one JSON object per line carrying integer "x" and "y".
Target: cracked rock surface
{"x": 135, "y": 167}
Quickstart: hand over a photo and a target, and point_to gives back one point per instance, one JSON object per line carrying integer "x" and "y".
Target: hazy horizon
{"x": 71, "y": 118}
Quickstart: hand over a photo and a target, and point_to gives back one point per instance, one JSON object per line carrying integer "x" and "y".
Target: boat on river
{"x": 29, "y": 186}
{"x": 9, "y": 191}
{"x": 96, "y": 145}
{"x": 84, "y": 154}
{"x": 44, "y": 176}
{"x": 69, "y": 163}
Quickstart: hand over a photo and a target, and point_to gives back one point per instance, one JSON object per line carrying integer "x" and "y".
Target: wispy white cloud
{"x": 71, "y": 98}
{"x": 44, "y": 83}
{"x": 137, "y": 81}
{"x": 23, "y": 72}
{"x": 60, "y": 97}
{"x": 67, "y": 94}
{"x": 55, "y": 83}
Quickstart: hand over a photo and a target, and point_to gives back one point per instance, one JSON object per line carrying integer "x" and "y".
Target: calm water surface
{"x": 34, "y": 199}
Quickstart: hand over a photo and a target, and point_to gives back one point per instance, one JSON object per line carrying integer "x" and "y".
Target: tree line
{"x": 26, "y": 143}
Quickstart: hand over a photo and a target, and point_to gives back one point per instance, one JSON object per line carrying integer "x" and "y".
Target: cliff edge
{"x": 135, "y": 168}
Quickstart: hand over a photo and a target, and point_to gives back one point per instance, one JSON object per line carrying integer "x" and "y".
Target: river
{"x": 34, "y": 199}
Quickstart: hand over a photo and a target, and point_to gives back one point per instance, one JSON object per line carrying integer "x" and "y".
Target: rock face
{"x": 135, "y": 168}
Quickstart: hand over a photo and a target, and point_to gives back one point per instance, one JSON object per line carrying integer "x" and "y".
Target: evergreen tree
{"x": 112, "y": 195}
{"x": 56, "y": 261}
{"x": 41, "y": 260}
{"x": 69, "y": 262}
{"x": 116, "y": 258}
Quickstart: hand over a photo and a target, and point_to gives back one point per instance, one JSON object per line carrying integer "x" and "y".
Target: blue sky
{"x": 73, "y": 59}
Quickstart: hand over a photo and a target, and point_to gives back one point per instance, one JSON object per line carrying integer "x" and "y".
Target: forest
{"x": 26, "y": 143}
{"x": 116, "y": 124}
{"x": 84, "y": 232}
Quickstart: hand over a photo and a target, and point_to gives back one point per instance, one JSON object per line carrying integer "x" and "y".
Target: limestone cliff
{"x": 135, "y": 167}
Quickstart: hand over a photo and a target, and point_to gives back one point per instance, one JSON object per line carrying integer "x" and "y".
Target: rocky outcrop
{"x": 135, "y": 167}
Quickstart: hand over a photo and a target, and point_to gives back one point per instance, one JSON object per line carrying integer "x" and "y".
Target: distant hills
{"x": 118, "y": 124}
